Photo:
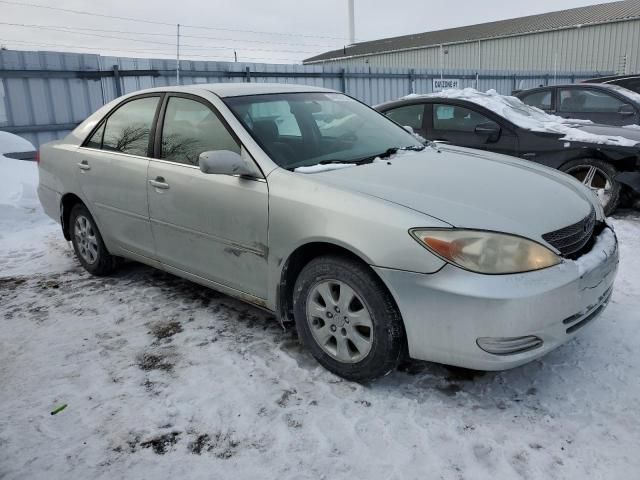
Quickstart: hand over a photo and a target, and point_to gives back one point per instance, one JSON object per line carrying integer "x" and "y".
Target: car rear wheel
{"x": 599, "y": 176}
{"x": 347, "y": 318}
{"x": 87, "y": 242}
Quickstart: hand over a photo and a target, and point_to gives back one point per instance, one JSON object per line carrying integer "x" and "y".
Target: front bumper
{"x": 445, "y": 313}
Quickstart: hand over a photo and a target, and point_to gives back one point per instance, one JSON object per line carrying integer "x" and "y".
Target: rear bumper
{"x": 50, "y": 201}
{"x": 446, "y": 313}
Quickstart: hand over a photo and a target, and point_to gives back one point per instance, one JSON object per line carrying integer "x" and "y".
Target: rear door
{"x": 211, "y": 226}
{"x": 112, "y": 172}
{"x": 467, "y": 126}
{"x": 595, "y": 105}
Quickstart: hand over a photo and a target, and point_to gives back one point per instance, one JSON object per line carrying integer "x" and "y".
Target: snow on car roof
{"x": 529, "y": 118}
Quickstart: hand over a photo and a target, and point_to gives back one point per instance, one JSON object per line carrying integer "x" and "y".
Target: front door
{"x": 409, "y": 116}
{"x": 212, "y": 226}
{"x": 112, "y": 172}
{"x": 467, "y": 127}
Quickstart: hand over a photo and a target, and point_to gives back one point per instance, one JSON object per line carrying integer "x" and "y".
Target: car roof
{"x": 420, "y": 99}
{"x": 605, "y": 86}
{"x": 611, "y": 78}
{"x": 232, "y": 89}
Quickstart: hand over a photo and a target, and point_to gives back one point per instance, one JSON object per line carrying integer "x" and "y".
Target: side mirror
{"x": 490, "y": 129}
{"x": 225, "y": 162}
{"x": 626, "y": 110}
{"x": 408, "y": 129}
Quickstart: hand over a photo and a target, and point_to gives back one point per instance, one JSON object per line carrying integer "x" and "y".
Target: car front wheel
{"x": 347, "y": 318}
{"x": 599, "y": 176}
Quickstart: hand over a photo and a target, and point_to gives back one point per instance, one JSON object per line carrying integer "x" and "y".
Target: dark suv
{"x": 601, "y": 103}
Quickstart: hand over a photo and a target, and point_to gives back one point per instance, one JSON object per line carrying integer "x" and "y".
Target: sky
{"x": 271, "y": 31}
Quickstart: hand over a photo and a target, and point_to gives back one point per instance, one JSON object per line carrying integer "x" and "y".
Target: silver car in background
{"x": 307, "y": 203}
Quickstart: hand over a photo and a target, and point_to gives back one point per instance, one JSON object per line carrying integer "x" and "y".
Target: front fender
{"x": 630, "y": 179}
{"x": 303, "y": 211}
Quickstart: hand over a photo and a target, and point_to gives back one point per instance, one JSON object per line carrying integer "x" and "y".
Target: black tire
{"x": 104, "y": 262}
{"x": 388, "y": 337}
{"x": 606, "y": 172}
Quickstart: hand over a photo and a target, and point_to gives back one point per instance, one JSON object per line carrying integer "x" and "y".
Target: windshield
{"x": 627, "y": 92}
{"x": 302, "y": 129}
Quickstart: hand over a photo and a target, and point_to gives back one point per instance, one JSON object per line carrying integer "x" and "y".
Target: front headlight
{"x": 486, "y": 252}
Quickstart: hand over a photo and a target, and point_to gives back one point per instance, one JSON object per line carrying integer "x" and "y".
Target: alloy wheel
{"x": 339, "y": 321}
{"x": 596, "y": 179}
{"x": 86, "y": 240}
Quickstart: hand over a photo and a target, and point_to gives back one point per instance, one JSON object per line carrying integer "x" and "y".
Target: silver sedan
{"x": 307, "y": 203}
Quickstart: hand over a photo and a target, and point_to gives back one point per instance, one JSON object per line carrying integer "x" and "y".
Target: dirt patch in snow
{"x": 223, "y": 445}
{"x": 160, "y": 444}
{"x": 153, "y": 361}
{"x": 11, "y": 283}
{"x": 166, "y": 330}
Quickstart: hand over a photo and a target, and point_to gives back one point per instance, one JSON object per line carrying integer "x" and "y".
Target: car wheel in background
{"x": 599, "y": 176}
{"x": 87, "y": 242}
{"x": 347, "y": 318}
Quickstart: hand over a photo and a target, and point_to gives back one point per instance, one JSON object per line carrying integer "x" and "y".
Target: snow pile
{"x": 530, "y": 118}
{"x": 19, "y": 178}
{"x": 632, "y": 127}
{"x": 10, "y": 143}
{"x": 23, "y": 225}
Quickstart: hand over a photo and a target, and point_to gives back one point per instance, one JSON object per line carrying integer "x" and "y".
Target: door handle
{"x": 84, "y": 165}
{"x": 159, "y": 182}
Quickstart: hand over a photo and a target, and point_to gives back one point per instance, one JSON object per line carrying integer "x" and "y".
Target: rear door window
{"x": 454, "y": 118}
{"x": 128, "y": 128}
{"x": 587, "y": 100}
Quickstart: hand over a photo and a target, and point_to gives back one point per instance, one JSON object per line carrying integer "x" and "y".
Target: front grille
{"x": 572, "y": 239}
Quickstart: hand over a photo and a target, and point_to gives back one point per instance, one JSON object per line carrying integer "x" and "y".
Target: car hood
{"x": 612, "y": 131}
{"x": 471, "y": 189}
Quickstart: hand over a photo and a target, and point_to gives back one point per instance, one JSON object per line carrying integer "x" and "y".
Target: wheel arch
{"x": 621, "y": 163}
{"x": 67, "y": 202}
{"x": 298, "y": 259}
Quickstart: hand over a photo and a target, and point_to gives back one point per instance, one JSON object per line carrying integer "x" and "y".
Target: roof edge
{"x": 311, "y": 61}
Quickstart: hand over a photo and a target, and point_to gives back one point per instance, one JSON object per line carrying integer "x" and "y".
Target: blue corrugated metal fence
{"x": 43, "y": 95}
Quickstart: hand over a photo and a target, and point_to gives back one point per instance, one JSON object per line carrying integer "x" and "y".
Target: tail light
{"x": 37, "y": 157}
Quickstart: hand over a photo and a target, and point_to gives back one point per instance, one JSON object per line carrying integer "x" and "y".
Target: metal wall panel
{"x": 597, "y": 48}
{"x": 44, "y": 94}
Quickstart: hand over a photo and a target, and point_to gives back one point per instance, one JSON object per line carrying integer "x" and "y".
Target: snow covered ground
{"x": 167, "y": 379}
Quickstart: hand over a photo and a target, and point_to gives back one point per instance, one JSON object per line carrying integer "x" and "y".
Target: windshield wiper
{"x": 414, "y": 148}
{"x": 329, "y": 162}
